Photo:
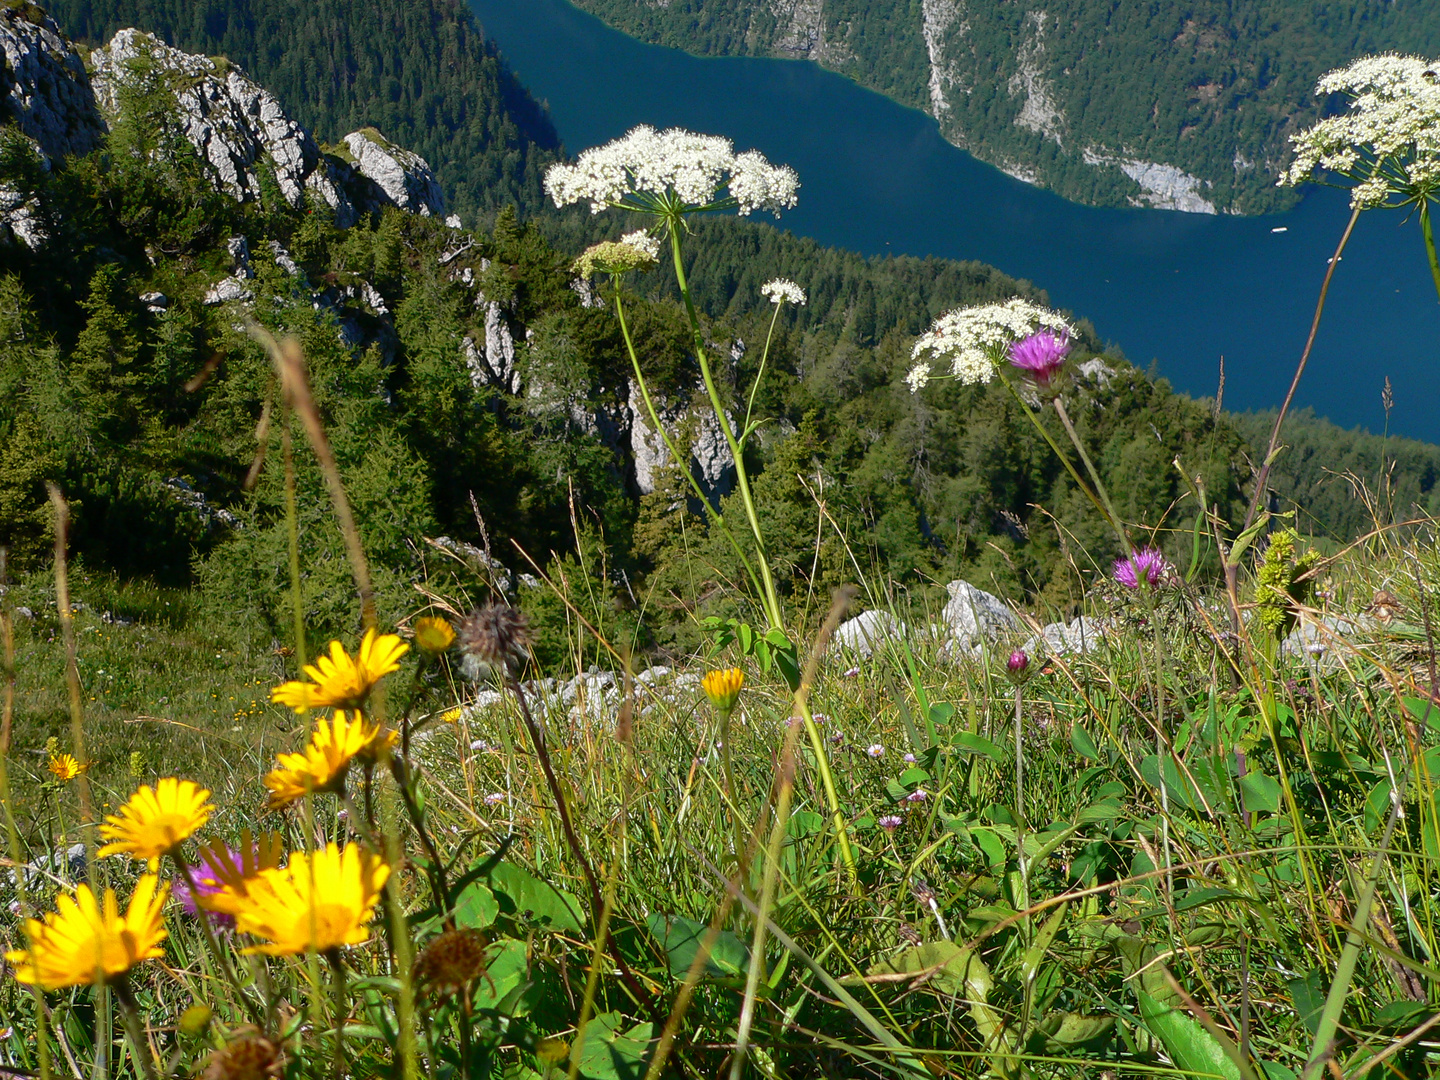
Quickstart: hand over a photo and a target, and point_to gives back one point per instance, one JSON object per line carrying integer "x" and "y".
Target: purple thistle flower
{"x": 890, "y": 822}
{"x": 206, "y": 884}
{"x": 1041, "y": 355}
{"x": 1146, "y": 565}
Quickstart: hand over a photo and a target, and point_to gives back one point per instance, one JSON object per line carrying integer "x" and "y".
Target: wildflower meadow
{"x": 1189, "y": 825}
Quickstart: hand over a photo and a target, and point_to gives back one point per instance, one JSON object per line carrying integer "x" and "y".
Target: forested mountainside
{"x": 1187, "y": 106}
{"x": 421, "y": 71}
{"x": 452, "y": 364}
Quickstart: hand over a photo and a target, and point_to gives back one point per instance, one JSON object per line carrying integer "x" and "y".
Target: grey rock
{"x": 651, "y": 676}
{"x": 227, "y": 291}
{"x": 239, "y": 249}
{"x": 21, "y": 219}
{"x": 155, "y": 302}
{"x": 865, "y": 633}
{"x": 1082, "y": 635}
{"x": 973, "y": 615}
{"x": 232, "y": 122}
{"x": 711, "y": 462}
{"x": 285, "y": 260}
{"x": 1098, "y": 372}
{"x": 62, "y": 864}
{"x": 453, "y": 221}
{"x": 195, "y": 500}
{"x": 1322, "y": 638}
{"x": 405, "y": 178}
{"x": 45, "y": 90}
{"x": 24, "y": 612}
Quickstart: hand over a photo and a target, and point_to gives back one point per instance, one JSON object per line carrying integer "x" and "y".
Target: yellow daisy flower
{"x": 322, "y": 765}
{"x": 451, "y": 716}
{"x": 64, "y": 767}
{"x": 434, "y": 634}
{"x": 82, "y": 941}
{"x": 339, "y": 681}
{"x": 157, "y": 820}
{"x": 723, "y": 688}
{"x": 320, "y": 901}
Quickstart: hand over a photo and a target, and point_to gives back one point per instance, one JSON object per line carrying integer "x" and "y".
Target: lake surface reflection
{"x": 1180, "y": 290}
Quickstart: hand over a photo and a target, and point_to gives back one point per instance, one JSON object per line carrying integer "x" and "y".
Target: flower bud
{"x": 723, "y": 688}
{"x": 1018, "y": 662}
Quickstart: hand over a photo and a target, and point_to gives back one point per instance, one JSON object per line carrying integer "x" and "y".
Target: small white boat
{"x": 1281, "y": 228}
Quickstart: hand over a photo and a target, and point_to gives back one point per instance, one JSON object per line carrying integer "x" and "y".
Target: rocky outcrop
{"x": 402, "y": 178}
{"x": 233, "y": 123}
{"x": 1162, "y": 186}
{"x": 868, "y": 631}
{"x": 973, "y": 615}
{"x": 1039, "y": 112}
{"x": 711, "y": 462}
{"x": 43, "y": 85}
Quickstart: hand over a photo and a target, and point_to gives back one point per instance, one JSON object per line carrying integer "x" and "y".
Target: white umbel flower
{"x": 647, "y": 165}
{"x": 643, "y": 242}
{"x": 1387, "y": 142}
{"x": 783, "y": 291}
{"x": 972, "y": 338}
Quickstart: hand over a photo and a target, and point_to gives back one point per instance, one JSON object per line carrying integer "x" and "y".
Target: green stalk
{"x": 680, "y": 461}
{"x": 1110, "y": 514}
{"x": 1350, "y": 954}
{"x": 208, "y": 933}
{"x": 292, "y": 534}
{"x": 1428, "y": 232}
{"x": 759, "y": 374}
{"x": 1064, "y": 459}
{"x": 12, "y": 833}
{"x": 133, "y": 1027}
{"x": 770, "y": 597}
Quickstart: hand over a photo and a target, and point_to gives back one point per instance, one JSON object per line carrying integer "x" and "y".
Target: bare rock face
{"x": 43, "y": 85}
{"x": 403, "y": 178}
{"x": 711, "y": 462}
{"x": 867, "y": 632}
{"x": 973, "y": 615}
{"x": 231, "y": 121}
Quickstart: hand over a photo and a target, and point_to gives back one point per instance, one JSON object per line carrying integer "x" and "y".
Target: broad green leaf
{"x": 991, "y": 846}
{"x": 1083, "y": 745}
{"x": 682, "y": 938}
{"x": 747, "y": 638}
{"x": 1066, "y": 1031}
{"x": 971, "y": 743}
{"x": 952, "y": 968}
{"x": 1261, "y": 793}
{"x": 941, "y": 713}
{"x": 507, "y": 971}
{"x": 476, "y": 907}
{"x": 537, "y": 901}
{"x": 1030, "y": 962}
{"x": 1191, "y": 1048}
{"x": 611, "y": 1054}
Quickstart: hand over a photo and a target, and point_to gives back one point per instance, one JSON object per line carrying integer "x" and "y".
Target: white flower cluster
{"x": 973, "y": 337}
{"x": 1388, "y": 141}
{"x": 649, "y": 164}
{"x": 643, "y": 242}
{"x": 783, "y": 291}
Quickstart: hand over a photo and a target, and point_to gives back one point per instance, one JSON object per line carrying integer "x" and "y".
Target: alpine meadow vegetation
{"x": 645, "y": 644}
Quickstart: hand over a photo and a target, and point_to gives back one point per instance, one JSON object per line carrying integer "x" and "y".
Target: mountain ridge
{"x": 1150, "y": 105}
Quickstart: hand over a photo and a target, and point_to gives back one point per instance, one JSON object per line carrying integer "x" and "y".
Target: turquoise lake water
{"x": 1180, "y": 290}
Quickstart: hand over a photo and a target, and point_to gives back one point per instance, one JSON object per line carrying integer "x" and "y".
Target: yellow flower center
{"x": 331, "y": 923}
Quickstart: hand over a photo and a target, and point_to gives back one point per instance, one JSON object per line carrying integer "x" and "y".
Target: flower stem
{"x": 759, "y": 374}
{"x": 1109, "y": 510}
{"x": 674, "y": 451}
{"x": 1429, "y": 233}
{"x": 732, "y": 794}
{"x": 133, "y": 1026}
{"x": 337, "y": 970}
{"x": 770, "y": 598}
{"x": 208, "y": 932}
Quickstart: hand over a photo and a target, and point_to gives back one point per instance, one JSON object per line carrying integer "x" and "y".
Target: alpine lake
{"x": 1174, "y": 290}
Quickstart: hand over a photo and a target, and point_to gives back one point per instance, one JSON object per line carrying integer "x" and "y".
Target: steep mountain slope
{"x": 421, "y": 71}
{"x": 1186, "y": 106}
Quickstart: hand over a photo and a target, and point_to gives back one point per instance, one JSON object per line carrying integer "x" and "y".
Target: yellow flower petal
{"x": 156, "y": 820}
{"x": 82, "y": 941}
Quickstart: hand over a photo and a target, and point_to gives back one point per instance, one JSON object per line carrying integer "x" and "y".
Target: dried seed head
{"x": 451, "y": 961}
{"x": 498, "y": 635}
{"x": 248, "y": 1056}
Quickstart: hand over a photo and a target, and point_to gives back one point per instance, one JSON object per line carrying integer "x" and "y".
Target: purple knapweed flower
{"x": 206, "y": 884}
{"x": 890, "y": 822}
{"x": 1146, "y": 565}
{"x": 1017, "y": 663}
{"x": 1041, "y": 355}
